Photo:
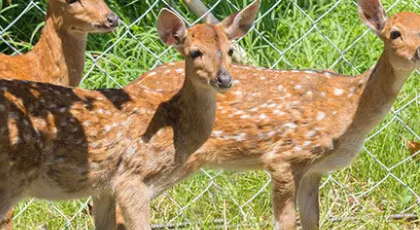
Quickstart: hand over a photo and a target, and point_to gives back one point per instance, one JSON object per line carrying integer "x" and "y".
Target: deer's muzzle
{"x": 113, "y": 20}
{"x": 224, "y": 80}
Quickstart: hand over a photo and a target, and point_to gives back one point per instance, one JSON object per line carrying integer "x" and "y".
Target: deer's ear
{"x": 239, "y": 23}
{"x": 373, "y": 14}
{"x": 171, "y": 28}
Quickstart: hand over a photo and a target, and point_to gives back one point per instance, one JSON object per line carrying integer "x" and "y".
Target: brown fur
{"x": 116, "y": 145}
{"x": 58, "y": 57}
{"x": 300, "y": 124}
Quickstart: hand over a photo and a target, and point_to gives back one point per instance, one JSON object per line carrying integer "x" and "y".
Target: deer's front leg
{"x": 284, "y": 198}
{"x": 308, "y": 201}
{"x": 104, "y": 212}
{"x": 7, "y": 222}
{"x": 133, "y": 197}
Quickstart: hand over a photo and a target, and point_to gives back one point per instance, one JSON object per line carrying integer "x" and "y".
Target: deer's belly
{"x": 340, "y": 158}
{"x": 60, "y": 185}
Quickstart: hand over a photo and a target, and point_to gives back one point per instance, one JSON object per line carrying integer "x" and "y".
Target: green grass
{"x": 282, "y": 27}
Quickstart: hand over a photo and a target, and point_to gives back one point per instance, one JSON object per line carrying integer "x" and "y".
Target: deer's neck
{"x": 383, "y": 84}
{"x": 191, "y": 114}
{"x": 197, "y": 112}
{"x": 59, "y": 55}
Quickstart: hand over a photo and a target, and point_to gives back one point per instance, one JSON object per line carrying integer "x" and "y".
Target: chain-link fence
{"x": 379, "y": 191}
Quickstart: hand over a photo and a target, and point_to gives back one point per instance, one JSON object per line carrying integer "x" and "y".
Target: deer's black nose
{"x": 224, "y": 80}
{"x": 113, "y": 19}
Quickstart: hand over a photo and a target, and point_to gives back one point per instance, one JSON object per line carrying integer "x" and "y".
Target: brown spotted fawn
{"x": 299, "y": 125}
{"x": 116, "y": 145}
{"x": 59, "y": 56}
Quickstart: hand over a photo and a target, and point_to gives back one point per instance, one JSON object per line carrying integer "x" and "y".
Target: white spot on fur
{"x": 179, "y": 70}
{"x": 320, "y": 116}
{"x": 272, "y": 133}
{"x": 290, "y": 125}
{"x": 245, "y": 116}
{"x": 310, "y": 134}
{"x": 132, "y": 149}
{"x": 338, "y": 92}
{"x": 309, "y": 93}
{"x": 263, "y": 116}
{"x": 217, "y": 133}
{"x": 151, "y": 74}
{"x": 307, "y": 143}
{"x": 107, "y": 128}
{"x": 298, "y": 87}
{"x": 279, "y": 112}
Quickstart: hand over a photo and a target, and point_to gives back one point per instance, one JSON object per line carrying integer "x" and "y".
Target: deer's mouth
{"x": 96, "y": 28}
{"x": 104, "y": 28}
{"x": 417, "y": 55}
{"x": 219, "y": 87}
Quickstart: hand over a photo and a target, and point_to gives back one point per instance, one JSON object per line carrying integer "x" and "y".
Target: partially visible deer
{"x": 59, "y": 56}
{"x": 116, "y": 145}
{"x": 301, "y": 124}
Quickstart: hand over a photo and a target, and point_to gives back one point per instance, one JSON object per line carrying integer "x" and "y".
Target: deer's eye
{"x": 230, "y": 52}
{"x": 71, "y": 1}
{"x": 195, "y": 54}
{"x": 395, "y": 34}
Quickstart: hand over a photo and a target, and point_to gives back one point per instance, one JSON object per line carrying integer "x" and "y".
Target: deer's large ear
{"x": 171, "y": 28}
{"x": 239, "y": 23}
{"x": 373, "y": 14}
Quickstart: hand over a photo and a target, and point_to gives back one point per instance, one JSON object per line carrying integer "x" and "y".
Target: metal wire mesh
{"x": 216, "y": 199}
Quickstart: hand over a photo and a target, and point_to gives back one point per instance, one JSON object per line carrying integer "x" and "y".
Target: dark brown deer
{"x": 116, "y": 145}
{"x": 299, "y": 125}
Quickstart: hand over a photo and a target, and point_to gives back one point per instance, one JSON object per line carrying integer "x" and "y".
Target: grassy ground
{"x": 366, "y": 199}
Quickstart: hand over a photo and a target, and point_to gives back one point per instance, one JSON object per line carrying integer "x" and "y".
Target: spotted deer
{"x": 299, "y": 125}
{"x": 116, "y": 145}
{"x": 59, "y": 56}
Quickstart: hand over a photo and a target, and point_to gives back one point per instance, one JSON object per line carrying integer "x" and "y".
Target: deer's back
{"x": 295, "y": 115}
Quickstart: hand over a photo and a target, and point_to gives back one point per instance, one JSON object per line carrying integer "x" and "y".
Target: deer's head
{"x": 207, "y": 48}
{"x": 400, "y": 33}
{"x": 83, "y": 16}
